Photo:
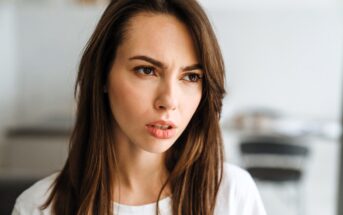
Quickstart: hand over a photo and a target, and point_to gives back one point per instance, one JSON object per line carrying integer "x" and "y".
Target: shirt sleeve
{"x": 30, "y": 200}
{"x": 238, "y": 193}
{"x": 250, "y": 203}
{"x": 16, "y": 210}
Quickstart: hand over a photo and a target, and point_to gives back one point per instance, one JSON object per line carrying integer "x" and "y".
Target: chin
{"x": 158, "y": 147}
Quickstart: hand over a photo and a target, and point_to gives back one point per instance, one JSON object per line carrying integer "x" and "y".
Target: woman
{"x": 147, "y": 138}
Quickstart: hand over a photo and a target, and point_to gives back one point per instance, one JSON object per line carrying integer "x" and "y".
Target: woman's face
{"x": 154, "y": 85}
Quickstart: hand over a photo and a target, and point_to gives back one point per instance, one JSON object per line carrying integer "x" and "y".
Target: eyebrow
{"x": 161, "y": 65}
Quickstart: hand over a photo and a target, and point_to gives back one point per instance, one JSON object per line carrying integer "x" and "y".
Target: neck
{"x": 140, "y": 175}
{"x": 138, "y": 168}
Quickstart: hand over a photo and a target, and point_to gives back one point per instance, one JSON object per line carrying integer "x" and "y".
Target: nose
{"x": 167, "y": 97}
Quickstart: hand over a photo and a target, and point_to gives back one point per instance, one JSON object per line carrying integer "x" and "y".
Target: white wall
{"x": 272, "y": 4}
{"x": 51, "y": 40}
{"x": 8, "y": 79}
{"x": 287, "y": 59}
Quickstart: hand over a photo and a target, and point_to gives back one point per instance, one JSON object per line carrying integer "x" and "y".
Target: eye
{"x": 192, "y": 77}
{"x": 145, "y": 70}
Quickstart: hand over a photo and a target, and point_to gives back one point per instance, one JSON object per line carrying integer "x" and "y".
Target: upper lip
{"x": 162, "y": 122}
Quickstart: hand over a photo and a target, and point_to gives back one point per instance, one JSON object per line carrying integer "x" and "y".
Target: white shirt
{"x": 238, "y": 195}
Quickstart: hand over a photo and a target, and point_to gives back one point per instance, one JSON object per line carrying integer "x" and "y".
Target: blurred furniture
{"x": 36, "y": 149}
{"x": 30, "y": 153}
{"x": 10, "y": 189}
{"x": 277, "y": 160}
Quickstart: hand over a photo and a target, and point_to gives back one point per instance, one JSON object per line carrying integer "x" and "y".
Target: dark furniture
{"x": 278, "y": 160}
{"x": 10, "y": 189}
{"x": 277, "y": 171}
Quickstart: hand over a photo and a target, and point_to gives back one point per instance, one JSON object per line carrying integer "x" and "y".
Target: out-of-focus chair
{"x": 277, "y": 160}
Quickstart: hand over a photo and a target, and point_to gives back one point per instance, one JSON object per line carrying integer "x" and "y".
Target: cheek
{"x": 127, "y": 101}
{"x": 190, "y": 103}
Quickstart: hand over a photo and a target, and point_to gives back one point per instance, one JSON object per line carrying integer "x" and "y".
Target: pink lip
{"x": 162, "y": 122}
{"x": 161, "y": 133}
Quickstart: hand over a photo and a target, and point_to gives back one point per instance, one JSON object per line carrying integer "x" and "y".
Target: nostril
{"x": 165, "y": 106}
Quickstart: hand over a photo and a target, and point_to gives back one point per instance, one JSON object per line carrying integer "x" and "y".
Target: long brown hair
{"x": 195, "y": 160}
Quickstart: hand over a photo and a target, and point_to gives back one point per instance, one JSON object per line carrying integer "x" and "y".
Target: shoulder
{"x": 235, "y": 175}
{"x": 236, "y": 182}
{"x": 238, "y": 193}
{"x": 34, "y": 197}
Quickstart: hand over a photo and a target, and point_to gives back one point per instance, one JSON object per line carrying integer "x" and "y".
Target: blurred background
{"x": 281, "y": 118}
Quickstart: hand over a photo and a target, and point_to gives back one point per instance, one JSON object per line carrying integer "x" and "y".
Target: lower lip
{"x": 160, "y": 133}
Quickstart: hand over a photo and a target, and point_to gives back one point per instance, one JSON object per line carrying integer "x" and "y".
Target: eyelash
{"x": 197, "y": 76}
{"x": 142, "y": 70}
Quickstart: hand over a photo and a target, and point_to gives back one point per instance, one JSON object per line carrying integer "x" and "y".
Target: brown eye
{"x": 192, "y": 77}
{"x": 145, "y": 70}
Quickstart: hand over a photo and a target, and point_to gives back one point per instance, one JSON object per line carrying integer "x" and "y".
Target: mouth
{"x": 161, "y": 129}
{"x": 161, "y": 124}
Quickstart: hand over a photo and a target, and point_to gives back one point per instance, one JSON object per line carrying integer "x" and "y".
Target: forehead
{"x": 158, "y": 35}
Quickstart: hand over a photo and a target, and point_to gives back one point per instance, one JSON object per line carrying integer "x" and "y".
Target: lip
{"x": 162, "y": 122}
{"x": 161, "y": 133}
